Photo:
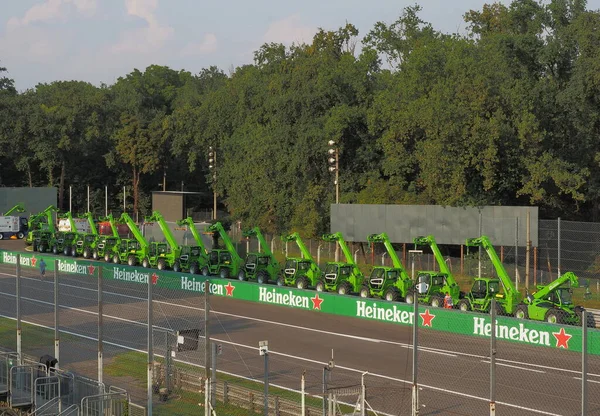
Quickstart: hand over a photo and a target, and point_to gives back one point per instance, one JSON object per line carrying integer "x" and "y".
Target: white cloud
{"x": 207, "y": 45}
{"x": 147, "y": 39}
{"x": 289, "y": 30}
{"x": 51, "y": 10}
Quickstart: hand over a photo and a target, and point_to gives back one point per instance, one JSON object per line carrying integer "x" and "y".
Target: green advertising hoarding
{"x": 453, "y": 321}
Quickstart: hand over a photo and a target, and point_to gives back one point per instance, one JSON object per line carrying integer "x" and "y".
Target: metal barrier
{"x": 116, "y": 404}
{"x": 21, "y": 381}
{"x": 136, "y": 410}
{"x": 46, "y": 389}
{"x": 7, "y": 360}
{"x": 86, "y": 387}
{"x": 49, "y": 408}
{"x": 72, "y": 410}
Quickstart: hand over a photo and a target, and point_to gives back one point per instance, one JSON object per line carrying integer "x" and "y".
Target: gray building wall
{"x": 169, "y": 204}
{"x": 449, "y": 225}
{"x": 33, "y": 199}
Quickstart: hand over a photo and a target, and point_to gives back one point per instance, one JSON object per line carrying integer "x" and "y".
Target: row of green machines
{"x": 552, "y": 302}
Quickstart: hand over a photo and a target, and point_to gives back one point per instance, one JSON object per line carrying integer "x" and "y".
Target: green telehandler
{"x": 159, "y": 257}
{"x": 223, "y": 262}
{"x": 107, "y": 246}
{"x": 135, "y": 251}
{"x": 260, "y": 265}
{"x": 553, "y": 302}
{"x": 300, "y": 272}
{"x": 86, "y": 242}
{"x": 42, "y": 221}
{"x": 389, "y": 283}
{"x": 192, "y": 258}
{"x": 65, "y": 242}
{"x": 485, "y": 288}
{"x": 19, "y": 208}
{"x": 430, "y": 286}
{"x": 340, "y": 277}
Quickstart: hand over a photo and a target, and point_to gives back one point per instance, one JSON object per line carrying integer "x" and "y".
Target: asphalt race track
{"x": 453, "y": 371}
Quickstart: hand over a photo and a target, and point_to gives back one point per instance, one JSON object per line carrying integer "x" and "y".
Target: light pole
{"x": 334, "y": 166}
{"x": 212, "y": 166}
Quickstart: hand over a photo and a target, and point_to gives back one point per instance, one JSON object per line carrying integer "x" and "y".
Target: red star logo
{"x": 562, "y": 339}
{"x": 427, "y": 318}
{"x": 91, "y": 269}
{"x": 229, "y": 288}
{"x": 33, "y": 261}
{"x": 154, "y": 278}
{"x": 316, "y": 301}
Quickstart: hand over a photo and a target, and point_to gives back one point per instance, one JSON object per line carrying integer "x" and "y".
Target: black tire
{"x": 1, "y": 236}
{"x": 553, "y": 316}
{"x": 131, "y": 260}
{"x": 591, "y": 323}
{"x": 34, "y": 247}
{"x": 437, "y": 302}
{"x": 116, "y": 259}
{"x": 67, "y": 251}
{"x": 225, "y": 272}
{"x": 320, "y": 286}
{"x": 522, "y": 312}
{"x": 500, "y": 311}
{"x": 55, "y": 250}
{"x": 145, "y": 263}
{"x": 205, "y": 271}
{"x": 464, "y": 305}
{"x": 344, "y": 288}
{"x": 95, "y": 255}
{"x": 20, "y": 235}
{"x": 86, "y": 253}
{"x": 177, "y": 267}
{"x": 301, "y": 282}
{"x": 42, "y": 248}
{"x": 410, "y": 298}
{"x": 161, "y": 264}
{"x": 391, "y": 295}
{"x": 281, "y": 281}
{"x": 73, "y": 252}
{"x": 365, "y": 292}
{"x": 242, "y": 275}
{"x": 194, "y": 268}
{"x": 262, "y": 277}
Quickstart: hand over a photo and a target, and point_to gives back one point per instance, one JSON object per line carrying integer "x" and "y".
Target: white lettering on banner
{"x": 513, "y": 333}
{"x": 391, "y": 314}
{"x": 198, "y": 286}
{"x": 287, "y": 299}
{"x": 130, "y": 275}
{"x": 72, "y": 267}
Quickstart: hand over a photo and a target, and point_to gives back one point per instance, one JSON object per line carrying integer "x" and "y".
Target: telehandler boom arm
{"x": 17, "y": 208}
{"x": 90, "y": 218}
{"x": 484, "y": 242}
{"x": 134, "y": 230}
{"x": 218, "y": 228}
{"x": 164, "y": 227}
{"x": 296, "y": 238}
{"x": 567, "y": 277}
{"x": 192, "y": 227}
{"x": 383, "y": 238}
{"x": 339, "y": 238}
{"x": 430, "y": 241}
{"x": 255, "y": 232}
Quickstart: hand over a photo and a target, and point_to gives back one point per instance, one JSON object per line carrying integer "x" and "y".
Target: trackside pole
{"x": 415, "y": 387}
{"x": 18, "y": 295}
{"x": 303, "y": 394}
{"x": 56, "y": 331}
{"x": 150, "y": 345}
{"x": 207, "y": 349}
{"x": 584, "y": 362}
{"x": 493, "y": 358}
{"x": 100, "y": 326}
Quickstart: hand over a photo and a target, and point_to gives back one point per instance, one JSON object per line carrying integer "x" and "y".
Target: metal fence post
{"x": 517, "y": 253}
{"x": 558, "y": 261}
{"x": 303, "y": 394}
{"x": 415, "y": 387}
{"x": 266, "y": 382}
{"x": 100, "y": 328}
{"x": 150, "y": 345}
{"x": 584, "y": 362}
{"x": 493, "y": 358}
{"x": 56, "y": 331}
{"x": 213, "y": 382}
{"x": 207, "y": 392}
{"x": 479, "y": 250}
{"x": 18, "y": 311}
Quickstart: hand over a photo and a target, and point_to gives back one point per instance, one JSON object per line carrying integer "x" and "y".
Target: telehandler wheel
{"x": 242, "y": 275}
{"x": 410, "y": 298}
{"x": 131, "y": 260}
{"x": 54, "y": 250}
{"x": 177, "y": 267}
{"x": 116, "y": 259}
{"x": 437, "y": 302}
{"x": 86, "y": 253}
{"x": 145, "y": 262}
{"x": 553, "y": 316}
{"x": 320, "y": 286}
{"x": 194, "y": 269}
{"x": 392, "y": 295}
{"x": 280, "y": 281}
{"x": 42, "y": 248}
{"x": 34, "y": 247}
{"x": 161, "y": 265}
{"x": 464, "y": 305}
{"x": 73, "y": 251}
{"x": 225, "y": 272}
{"x": 205, "y": 271}
{"x": 365, "y": 292}
{"x": 262, "y": 277}
{"x": 301, "y": 283}
{"x": 344, "y": 288}
{"x": 522, "y": 312}
{"x": 95, "y": 255}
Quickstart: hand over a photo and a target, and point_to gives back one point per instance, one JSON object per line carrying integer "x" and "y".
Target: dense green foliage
{"x": 507, "y": 113}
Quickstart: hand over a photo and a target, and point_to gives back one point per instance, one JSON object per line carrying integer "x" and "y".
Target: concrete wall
{"x": 169, "y": 204}
{"x": 34, "y": 199}
{"x": 449, "y": 225}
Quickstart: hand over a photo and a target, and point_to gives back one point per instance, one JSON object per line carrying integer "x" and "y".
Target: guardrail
{"x": 535, "y": 333}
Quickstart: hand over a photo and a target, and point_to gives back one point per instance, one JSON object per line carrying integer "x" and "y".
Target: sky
{"x": 100, "y": 40}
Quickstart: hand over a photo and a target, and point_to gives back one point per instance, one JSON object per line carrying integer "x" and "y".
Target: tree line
{"x": 505, "y": 113}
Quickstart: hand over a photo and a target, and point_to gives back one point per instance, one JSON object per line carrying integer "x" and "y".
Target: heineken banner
{"x": 463, "y": 323}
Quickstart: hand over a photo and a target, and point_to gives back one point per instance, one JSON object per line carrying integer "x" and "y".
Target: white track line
{"x": 514, "y": 366}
